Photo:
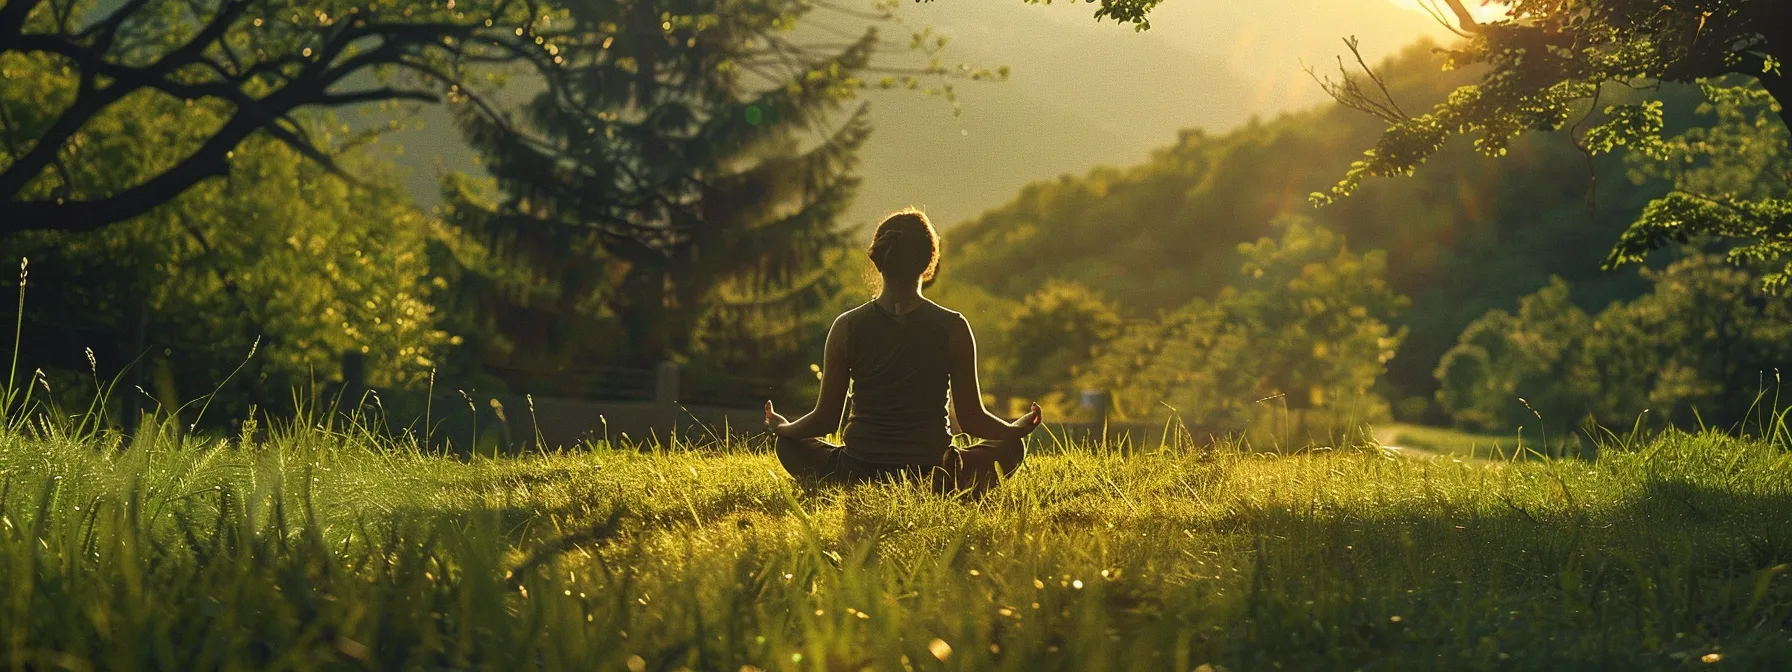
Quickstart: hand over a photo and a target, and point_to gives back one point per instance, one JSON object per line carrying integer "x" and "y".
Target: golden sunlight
{"x": 1483, "y": 10}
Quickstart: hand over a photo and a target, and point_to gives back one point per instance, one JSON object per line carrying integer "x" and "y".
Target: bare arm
{"x": 830, "y": 403}
{"x": 967, "y": 395}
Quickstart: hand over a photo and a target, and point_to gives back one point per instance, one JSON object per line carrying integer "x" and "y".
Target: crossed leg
{"x": 807, "y": 459}
{"x": 973, "y": 469}
{"x": 980, "y": 466}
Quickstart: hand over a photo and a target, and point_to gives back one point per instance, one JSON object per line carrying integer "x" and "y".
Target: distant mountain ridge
{"x": 1086, "y": 93}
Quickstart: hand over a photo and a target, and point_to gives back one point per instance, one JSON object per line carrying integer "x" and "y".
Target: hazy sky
{"x": 1482, "y": 9}
{"x": 1081, "y": 93}
{"x": 1084, "y": 93}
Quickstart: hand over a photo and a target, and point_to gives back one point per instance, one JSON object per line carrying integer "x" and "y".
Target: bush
{"x": 1702, "y": 348}
{"x": 1305, "y": 329}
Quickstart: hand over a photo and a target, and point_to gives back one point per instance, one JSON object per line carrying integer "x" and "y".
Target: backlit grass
{"x": 315, "y": 548}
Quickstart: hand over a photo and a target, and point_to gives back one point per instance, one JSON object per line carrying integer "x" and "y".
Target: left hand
{"x": 774, "y": 423}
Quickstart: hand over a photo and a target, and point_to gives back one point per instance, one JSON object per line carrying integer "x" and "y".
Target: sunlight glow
{"x": 1483, "y": 10}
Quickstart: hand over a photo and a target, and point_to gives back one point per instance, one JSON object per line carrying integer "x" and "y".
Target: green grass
{"x": 322, "y": 549}
{"x": 1458, "y": 443}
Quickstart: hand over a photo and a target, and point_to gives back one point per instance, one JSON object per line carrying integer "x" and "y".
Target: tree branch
{"x": 210, "y": 161}
{"x": 105, "y": 31}
{"x": 1348, "y": 93}
{"x": 1463, "y": 17}
{"x": 291, "y": 82}
{"x": 194, "y": 49}
{"x": 88, "y": 102}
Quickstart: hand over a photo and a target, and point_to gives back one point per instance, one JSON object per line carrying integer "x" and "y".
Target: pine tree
{"x": 692, "y": 160}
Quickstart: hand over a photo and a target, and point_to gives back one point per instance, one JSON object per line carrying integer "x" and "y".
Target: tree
{"x": 1554, "y": 65}
{"x": 1318, "y": 314}
{"x": 1182, "y": 362}
{"x": 176, "y": 300}
{"x": 1465, "y": 235}
{"x": 77, "y": 70}
{"x": 1701, "y": 349}
{"x": 1305, "y": 325}
{"x": 1053, "y": 333}
{"x": 1506, "y": 365}
{"x": 688, "y": 166}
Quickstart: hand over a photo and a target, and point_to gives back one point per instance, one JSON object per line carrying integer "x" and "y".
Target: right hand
{"x": 774, "y": 422}
{"x": 1025, "y": 424}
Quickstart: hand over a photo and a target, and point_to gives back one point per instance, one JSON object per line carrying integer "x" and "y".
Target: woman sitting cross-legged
{"x": 901, "y": 353}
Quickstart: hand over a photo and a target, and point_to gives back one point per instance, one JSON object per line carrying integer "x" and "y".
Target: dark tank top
{"x": 898, "y": 366}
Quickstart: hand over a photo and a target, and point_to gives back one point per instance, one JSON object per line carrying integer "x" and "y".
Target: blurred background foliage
{"x": 1464, "y": 238}
{"x": 281, "y": 258}
{"x": 665, "y": 181}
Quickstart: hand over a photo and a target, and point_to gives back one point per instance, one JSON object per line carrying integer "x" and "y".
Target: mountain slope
{"x": 1468, "y": 233}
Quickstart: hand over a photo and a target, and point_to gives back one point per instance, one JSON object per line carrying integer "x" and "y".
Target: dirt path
{"x": 1385, "y": 437}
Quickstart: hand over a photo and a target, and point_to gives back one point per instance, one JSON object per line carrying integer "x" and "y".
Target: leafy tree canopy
{"x": 1702, "y": 349}
{"x": 1049, "y": 336}
{"x": 1304, "y": 327}
{"x": 175, "y": 300}
{"x": 74, "y": 71}
{"x": 1467, "y": 235}
{"x": 1554, "y": 65}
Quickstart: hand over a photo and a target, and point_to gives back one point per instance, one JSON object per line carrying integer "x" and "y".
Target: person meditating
{"x": 901, "y": 353}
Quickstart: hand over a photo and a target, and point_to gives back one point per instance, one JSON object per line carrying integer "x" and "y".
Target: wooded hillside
{"x": 1466, "y": 234}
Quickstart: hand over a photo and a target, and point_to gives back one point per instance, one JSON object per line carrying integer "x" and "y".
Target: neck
{"x": 896, "y": 293}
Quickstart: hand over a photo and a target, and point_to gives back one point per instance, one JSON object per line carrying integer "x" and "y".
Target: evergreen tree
{"x": 692, "y": 162}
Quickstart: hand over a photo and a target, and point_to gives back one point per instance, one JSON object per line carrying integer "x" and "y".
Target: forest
{"x": 1127, "y": 279}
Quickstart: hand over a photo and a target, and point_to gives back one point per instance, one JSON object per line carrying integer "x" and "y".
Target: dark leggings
{"x": 974, "y": 469}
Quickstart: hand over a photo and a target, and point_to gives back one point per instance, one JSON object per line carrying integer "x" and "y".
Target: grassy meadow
{"x": 1464, "y": 444}
{"x": 311, "y": 547}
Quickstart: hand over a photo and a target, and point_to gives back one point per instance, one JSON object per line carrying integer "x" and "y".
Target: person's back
{"x": 899, "y": 366}
{"x": 901, "y": 354}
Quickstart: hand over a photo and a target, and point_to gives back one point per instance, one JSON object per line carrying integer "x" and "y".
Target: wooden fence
{"x": 620, "y": 404}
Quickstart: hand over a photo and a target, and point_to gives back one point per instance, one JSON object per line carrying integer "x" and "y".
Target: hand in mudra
{"x": 774, "y": 423}
{"x": 1027, "y": 423}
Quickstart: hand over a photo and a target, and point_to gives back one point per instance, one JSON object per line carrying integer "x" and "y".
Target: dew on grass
{"x": 940, "y": 649}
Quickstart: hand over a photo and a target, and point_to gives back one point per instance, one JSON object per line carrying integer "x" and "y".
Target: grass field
{"x": 313, "y": 548}
{"x": 1458, "y": 443}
